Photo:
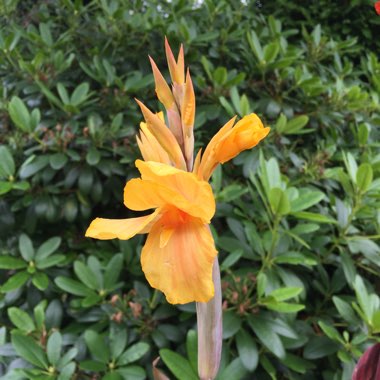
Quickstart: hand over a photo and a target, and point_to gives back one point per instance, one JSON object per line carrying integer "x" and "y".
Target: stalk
{"x": 209, "y": 317}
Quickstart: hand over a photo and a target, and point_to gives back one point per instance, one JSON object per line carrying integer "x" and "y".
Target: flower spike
{"x": 164, "y": 136}
{"x": 177, "y": 69}
{"x": 163, "y": 91}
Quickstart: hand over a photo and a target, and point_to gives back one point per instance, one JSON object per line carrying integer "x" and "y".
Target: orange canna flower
{"x": 179, "y": 252}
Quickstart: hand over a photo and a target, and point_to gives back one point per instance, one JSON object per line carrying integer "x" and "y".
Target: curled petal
{"x": 246, "y": 134}
{"x": 123, "y": 229}
{"x": 182, "y": 267}
{"x": 230, "y": 141}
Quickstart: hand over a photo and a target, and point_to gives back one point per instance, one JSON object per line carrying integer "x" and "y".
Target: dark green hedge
{"x": 297, "y": 220}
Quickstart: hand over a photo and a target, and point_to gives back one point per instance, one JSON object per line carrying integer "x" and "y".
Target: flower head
{"x": 179, "y": 252}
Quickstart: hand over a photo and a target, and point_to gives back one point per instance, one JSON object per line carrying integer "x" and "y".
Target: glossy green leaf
{"x": 178, "y": 365}
{"x": 247, "y": 349}
{"x": 7, "y": 164}
{"x": 21, "y": 319}
{"x": 19, "y": 114}
{"x": 29, "y": 350}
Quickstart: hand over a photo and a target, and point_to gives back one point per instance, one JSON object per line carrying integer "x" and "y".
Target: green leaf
{"x": 33, "y": 165}
{"x": 313, "y": 217}
{"x": 255, "y": 45}
{"x": 297, "y": 364}
{"x": 363, "y": 297}
{"x": 179, "y": 366}
{"x": 247, "y": 349}
{"x": 264, "y": 331}
{"x": 306, "y": 199}
{"x": 220, "y": 75}
{"x": 93, "y": 156}
{"x": 118, "y": 341}
{"x": 80, "y": 94}
{"x": 40, "y": 280}
{"x": 48, "y": 247}
{"x": 295, "y": 258}
{"x": 192, "y": 349}
{"x": 9, "y": 262}
{"x": 231, "y": 259}
{"x": 331, "y": 332}
{"x": 46, "y": 34}
{"x": 39, "y": 314}
{"x": 63, "y": 93}
{"x": 70, "y": 209}
{"x": 92, "y": 365}
{"x": 29, "y": 350}
{"x": 96, "y": 345}
{"x": 364, "y": 177}
{"x": 58, "y": 160}
{"x": 351, "y": 165}
{"x": 293, "y": 126}
{"x": 54, "y": 347}
{"x": 281, "y": 123}
{"x": 5, "y": 187}
{"x": 113, "y": 270}
{"x": 86, "y": 275}
{"x": 319, "y": 347}
{"x": 19, "y": 114}
{"x": 112, "y": 376}
{"x": 345, "y": 310}
{"x": 67, "y": 372}
{"x": 284, "y": 307}
{"x": 86, "y": 180}
{"x": 22, "y": 185}
{"x": 231, "y": 324}
{"x": 50, "y": 261}
{"x": 271, "y": 51}
{"x": 21, "y": 319}
{"x": 25, "y": 246}
{"x": 279, "y": 201}
{"x": 234, "y": 370}
{"x": 132, "y": 372}
{"x": 15, "y": 282}
{"x": 7, "y": 164}
{"x": 72, "y": 286}
{"x": 348, "y": 267}
{"x": 133, "y": 353}
{"x": 283, "y": 294}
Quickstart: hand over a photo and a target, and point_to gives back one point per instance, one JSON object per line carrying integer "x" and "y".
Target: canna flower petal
{"x": 162, "y": 185}
{"x": 163, "y": 91}
{"x": 230, "y": 141}
{"x": 164, "y": 136}
{"x": 246, "y": 134}
{"x": 176, "y": 68}
{"x": 122, "y": 229}
{"x": 181, "y": 267}
{"x": 150, "y": 148}
{"x": 188, "y": 117}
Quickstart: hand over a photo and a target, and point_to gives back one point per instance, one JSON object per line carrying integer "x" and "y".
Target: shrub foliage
{"x": 297, "y": 220}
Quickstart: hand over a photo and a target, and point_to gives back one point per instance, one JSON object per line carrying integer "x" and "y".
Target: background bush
{"x": 297, "y": 220}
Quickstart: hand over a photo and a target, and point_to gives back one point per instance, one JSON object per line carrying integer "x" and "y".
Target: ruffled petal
{"x": 163, "y": 185}
{"x": 123, "y": 229}
{"x": 181, "y": 267}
